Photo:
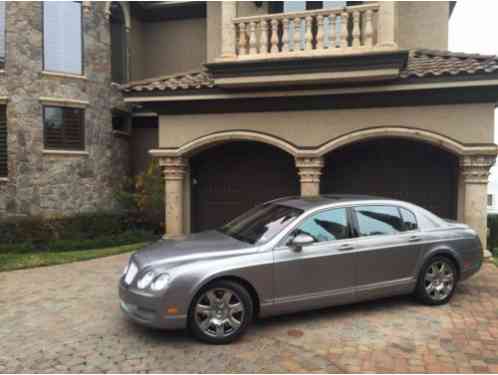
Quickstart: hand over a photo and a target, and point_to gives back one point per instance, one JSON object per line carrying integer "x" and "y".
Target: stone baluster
{"x": 320, "y": 43}
{"x": 252, "y": 38}
{"x": 356, "y": 29}
{"x": 274, "y": 36}
{"x": 285, "y": 35}
{"x": 344, "y": 30}
{"x": 263, "y": 26}
{"x": 333, "y": 27}
{"x": 296, "y": 45}
{"x": 174, "y": 169}
{"x": 368, "y": 35}
{"x": 242, "y": 39}
{"x": 308, "y": 43}
{"x": 309, "y": 170}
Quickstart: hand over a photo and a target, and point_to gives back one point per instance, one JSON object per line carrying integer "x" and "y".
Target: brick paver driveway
{"x": 66, "y": 318}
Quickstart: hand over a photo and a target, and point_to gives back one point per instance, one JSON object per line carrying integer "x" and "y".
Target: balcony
{"x": 310, "y": 33}
{"x": 348, "y": 45}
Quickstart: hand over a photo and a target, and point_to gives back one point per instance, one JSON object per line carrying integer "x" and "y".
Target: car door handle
{"x": 346, "y": 246}
{"x": 414, "y": 238}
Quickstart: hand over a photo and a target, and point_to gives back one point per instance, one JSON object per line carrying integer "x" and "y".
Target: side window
{"x": 378, "y": 220}
{"x": 64, "y": 128}
{"x": 326, "y": 226}
{"x": 409, "y": 220}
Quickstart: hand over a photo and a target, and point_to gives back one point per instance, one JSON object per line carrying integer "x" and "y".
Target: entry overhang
{"x": 344, "y": 69}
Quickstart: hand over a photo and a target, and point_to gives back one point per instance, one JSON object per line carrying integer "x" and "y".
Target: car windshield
{"x": 261, "y": 223}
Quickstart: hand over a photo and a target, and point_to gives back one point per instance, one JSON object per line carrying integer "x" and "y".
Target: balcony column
{"x": 228, "y": 13}
{"x": 174, "y": 170}
{"x": 475, "y": 172}
{"x": 387, "y": 24}
{"x": 309, "y": 170}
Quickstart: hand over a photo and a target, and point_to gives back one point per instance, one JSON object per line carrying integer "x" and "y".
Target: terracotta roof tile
{"x": 421, "y": 63}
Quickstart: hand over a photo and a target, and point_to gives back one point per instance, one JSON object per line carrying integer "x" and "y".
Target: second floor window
{"x": 64, "y": 128}
{"x": 3, "y": 141}
{"x": 490, "y": 200}
{"x": 2, "y": 34}
{"x": 62, "y": 37}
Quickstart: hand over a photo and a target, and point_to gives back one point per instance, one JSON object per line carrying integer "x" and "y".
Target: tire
{"x": 436, "y": 284}
{"x": 220, "y": 312}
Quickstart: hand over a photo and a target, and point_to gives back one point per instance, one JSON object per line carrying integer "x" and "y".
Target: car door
{"x": 322, "y": 273}
{"x": 387, "y": 249}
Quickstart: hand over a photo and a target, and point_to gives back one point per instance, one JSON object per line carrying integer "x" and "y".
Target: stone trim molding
{"x": 3, "y": 100}
{"x": 64, "y": 102}
{"x": 46, "y": 73}
{"x": 4, "y": 179}
{"x": 475, "y": 168}
{"x": 173, "y": 168}
{"x": 309, "y": 168}
{"x": 65, "y": 153}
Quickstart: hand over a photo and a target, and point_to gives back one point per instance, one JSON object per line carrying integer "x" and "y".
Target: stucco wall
{"x": 173, "y": 46}
{"x": 135, "y": 49}
{"x": 423, "y": 24}
{"x": 42, "y": 184}
{"x": 464, "y": 123}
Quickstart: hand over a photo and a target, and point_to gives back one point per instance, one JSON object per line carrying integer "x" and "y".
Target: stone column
{"x": 387, "y": 24}
{"x": 173, "y": 169}
{"x": 475, "y": 172}
{"x": 309, "y": 170}
{"x": 228, "y": 13}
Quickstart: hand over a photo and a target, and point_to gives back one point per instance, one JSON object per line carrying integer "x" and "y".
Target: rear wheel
{"x": 221, "y": 312}
{"x": 437, "y": 281}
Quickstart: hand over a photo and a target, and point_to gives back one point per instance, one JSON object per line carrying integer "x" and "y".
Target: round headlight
{"x": 160, "y": 282}
{"x": 146, "y": 279}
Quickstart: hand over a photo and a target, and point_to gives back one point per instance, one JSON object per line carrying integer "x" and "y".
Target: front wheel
{"x": 437, "y": 281}
{"x": 220, "y": 312}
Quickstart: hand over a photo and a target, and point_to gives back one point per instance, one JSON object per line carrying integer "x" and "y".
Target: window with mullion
{"x": 64, "y": 128}
{"x": 3, "y": 142}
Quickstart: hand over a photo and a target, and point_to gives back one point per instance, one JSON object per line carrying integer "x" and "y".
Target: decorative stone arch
{"x": 435, "y": 139}
{"x": 126, "y": 11}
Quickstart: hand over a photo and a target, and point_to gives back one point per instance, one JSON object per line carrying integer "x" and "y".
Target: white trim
{"x": 65, "y": 152}
{"x": 145, "y": 114}
{"x": 345, "y": 90}
{"x": 4, "y": 179}
{"x": 4, "y": 100}
{"x": 63, "y": 75}
{"x": 63, "y": 102}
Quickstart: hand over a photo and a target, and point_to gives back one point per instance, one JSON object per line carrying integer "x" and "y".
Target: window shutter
{"x": 62, "y": 36}
{"x": 3, "y": 142}
{"x": 64, "y": 128}
{"x": 74, "y": 131}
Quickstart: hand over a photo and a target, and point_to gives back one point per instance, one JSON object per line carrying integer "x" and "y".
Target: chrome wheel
{"x": 439, "y": 280}
{"x": 219, "y": 312}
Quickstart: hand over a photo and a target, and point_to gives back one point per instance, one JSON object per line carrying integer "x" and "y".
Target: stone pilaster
{"x": 174, "y": 169}
{"x": 228, "y": 13}
{"x": 475, "y": 172}
{"x": 309, "y": 170}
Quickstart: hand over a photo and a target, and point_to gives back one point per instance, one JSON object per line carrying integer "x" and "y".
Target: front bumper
{"x": 148, "y": 310}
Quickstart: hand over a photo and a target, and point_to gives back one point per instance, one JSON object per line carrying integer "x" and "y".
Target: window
{"x": 490, "y": 200}
{"x": 62, "y": 37}
{"x": 326, "y": 226}
{"x": 64, "y": 128}
{"x": 378, "y": 220}
{"x": 119, "y": 54}
{"x": 409, "y": 220}
{"x": 3, "y": 142}
{"x": 121, "y": 121}
{"x": 2, "y": 34}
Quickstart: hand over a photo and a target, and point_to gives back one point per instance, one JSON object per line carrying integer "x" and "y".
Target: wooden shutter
{"x": 74, "y": 132}
{"x": 64, "y": 128}
{"x": 3, "y": 141}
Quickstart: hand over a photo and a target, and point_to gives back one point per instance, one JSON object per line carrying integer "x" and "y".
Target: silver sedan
{"x": 295, "y": 254}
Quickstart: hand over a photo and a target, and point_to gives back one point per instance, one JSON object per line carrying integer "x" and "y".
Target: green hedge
{"x": 83, "y": 231}
{"x": 493, "y": 233}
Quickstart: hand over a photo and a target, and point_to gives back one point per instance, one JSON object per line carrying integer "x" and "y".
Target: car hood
{"x": 194, "y": 247}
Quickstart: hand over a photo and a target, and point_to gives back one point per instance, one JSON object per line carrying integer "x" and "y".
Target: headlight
{"x": 126, "y": 268}
{"x": 160, "y": 282}
{"x": 146, "y": 279}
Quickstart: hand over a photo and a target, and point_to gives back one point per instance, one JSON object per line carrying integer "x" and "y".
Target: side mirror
{"x": 300, "y": 241}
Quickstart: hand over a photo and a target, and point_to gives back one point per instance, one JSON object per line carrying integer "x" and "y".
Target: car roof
{"x": 306, "y": 203}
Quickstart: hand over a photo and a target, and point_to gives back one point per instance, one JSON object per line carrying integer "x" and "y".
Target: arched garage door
{"x": 231, "y": 178}
{"x": 396, "y": 168}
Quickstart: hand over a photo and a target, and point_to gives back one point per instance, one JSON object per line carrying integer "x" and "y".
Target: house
{"x": 242, "y": 102}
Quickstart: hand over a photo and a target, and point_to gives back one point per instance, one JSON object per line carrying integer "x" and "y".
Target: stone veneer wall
{"x": 40, "y": 184}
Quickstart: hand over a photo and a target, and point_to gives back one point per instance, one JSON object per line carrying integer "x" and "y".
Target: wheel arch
{"x": 444, "y": 251}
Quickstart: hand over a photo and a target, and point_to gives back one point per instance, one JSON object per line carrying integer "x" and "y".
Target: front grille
{"x": 130, "y": 275}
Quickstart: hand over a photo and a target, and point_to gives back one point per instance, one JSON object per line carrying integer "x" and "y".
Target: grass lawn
{"x": 13, "y": 261}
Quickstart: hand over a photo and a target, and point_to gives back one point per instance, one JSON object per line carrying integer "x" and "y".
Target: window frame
{"x": 82, "y": 29}
{"x": 397, "y": 207}
{"x": 82, "y": 129}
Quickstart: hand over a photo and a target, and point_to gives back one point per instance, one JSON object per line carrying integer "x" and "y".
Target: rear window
{"x": 409, "y": 220}
{"x": 378, "y": 220}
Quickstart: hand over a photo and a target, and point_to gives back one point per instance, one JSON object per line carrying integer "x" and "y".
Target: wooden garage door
{"x": 396, "y": 168}
{"x": 229, "y": 179}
